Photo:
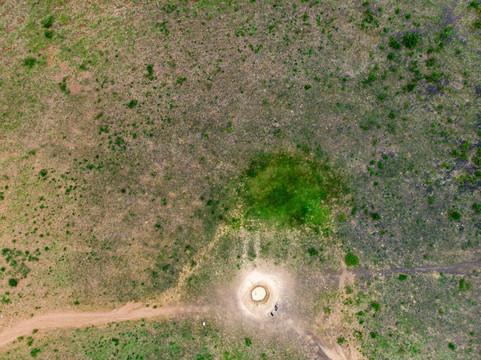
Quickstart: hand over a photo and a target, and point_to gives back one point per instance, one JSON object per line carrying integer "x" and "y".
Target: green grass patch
{"x": 292, "y": 190}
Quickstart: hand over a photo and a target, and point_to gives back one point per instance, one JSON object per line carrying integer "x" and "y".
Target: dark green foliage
{"x": 451, "y": 346}
{"x": 375, "y": 305}
{"x": 394, "y": 43}
{"x": 132, "y": 103}
{"x": 12, "y": 282}
{"x": 181, "y": 80}
{"x": 402, "y": 277}
{"x": 351, "y": 259}
{"x": 341, "y": 340}
{"x": 43, "y": 172}
{"x": 477, "y": 208}
{"x": 34, "y": 352}
{"x": 150, "y": 72}
{"x": 434, "y": 76}
{"x": 47, "y": 22}
{"x": 49, "y": 34}
{"x": 477, "y": 24}
{"x": 430, "y": 62}
{"x": 291, "y": 189}
{"x": 29, "y": 62}
{"x": 313, "y": 252}
{"x": 307, "y": 87}
{"x": 411, "y": 40}
{"x": 248, "y": 341}
{"x": 454, "y": 215}
{"x": 375, "y": 216}
{"x": 63, "y": 86}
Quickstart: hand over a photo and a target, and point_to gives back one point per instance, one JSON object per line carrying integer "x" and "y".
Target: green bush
{"x": 411, "y": 40}
{"x": 451, "y": 346}
{"x": 454, "y": 215}
{"x": 29, "y": 62}
{"x": 394, "y": 43}
{"x": 351, "y": 259}
{"x": 375, "y": 305}
{"x": 313, "y": 252}
{"x": 12, "y": 282}
{"x": 248, "y": 341}
{"x": 34, "y": 352}
{"x": 132, "y": 103}
{"x": 47, "y": 22}
{"x": 402, "y": 277}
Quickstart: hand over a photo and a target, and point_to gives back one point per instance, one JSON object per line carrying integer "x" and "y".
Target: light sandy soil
{"x": 131, "y": 311}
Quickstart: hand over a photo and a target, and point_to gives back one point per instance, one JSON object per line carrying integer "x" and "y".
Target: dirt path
{"x": 136, "y": 311}
{"x": 461, "y": 268}
{"x": 131, "y": 311}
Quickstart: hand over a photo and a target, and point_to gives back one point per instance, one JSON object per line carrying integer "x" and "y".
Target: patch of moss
{"x": 292, "y": 190}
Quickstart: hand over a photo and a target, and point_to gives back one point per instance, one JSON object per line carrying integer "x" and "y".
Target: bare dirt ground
{"x": 279, "y": 285}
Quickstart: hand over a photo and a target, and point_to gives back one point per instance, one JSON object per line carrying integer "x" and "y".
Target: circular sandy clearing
{"x": 259, "y": 293}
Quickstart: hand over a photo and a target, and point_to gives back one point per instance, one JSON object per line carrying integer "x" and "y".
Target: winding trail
{"x": 131, "y": 311}
{"x": 135, "y": 311}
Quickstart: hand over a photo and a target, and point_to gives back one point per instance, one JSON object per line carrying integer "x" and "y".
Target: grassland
{"x": 314, "y": 134}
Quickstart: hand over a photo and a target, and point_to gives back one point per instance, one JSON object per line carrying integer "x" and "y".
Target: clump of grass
{"x": 351, "y": 259}
{"x": 29, "y": 62}
{"x": 132, "y": 103}
{"x": 394, "y": 44}
{"x": 454, "y": 215}
{"x": 12, "y": 282}
{"x": 291, "y": 190}
{"x": 47, "y": 22}
{"x": 411, "y": 40}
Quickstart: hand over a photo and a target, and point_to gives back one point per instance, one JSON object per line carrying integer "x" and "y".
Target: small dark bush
{"x": 351, "y": 259}
{"x": 375, "y": 305}
{"x": 43, "y": 172}
{"x": 375, "y": 216}
{"x": 341, "y": 340}
{"x": 313, "y": 252}
{"x": 451, "y": 346}
{"x": 477, "y": 208}
{"x": 411, "y": 40}
{"x": 34, "y": 352}
{"x": 49, "y": 34}
{"x": 12, "y": 282}
{"x": 248, "y": 341}
{"x": 454, "y": 215}
{"x": 394, "y": 43}
{"x": 402, "y": 277}
{"x": 181, "y": 80}
{"x": 307, "y": 87}
{"x": 29, "y": 62}
{"x": 430, "y": 62}
{"x": 477, "y": 24}
{"x": 132, "y": 103}
{"x": 434, "y": 76}
{"x": 47, "y": 22}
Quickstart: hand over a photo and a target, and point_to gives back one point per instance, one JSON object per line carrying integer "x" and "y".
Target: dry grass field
{"x": 159, "y": 153}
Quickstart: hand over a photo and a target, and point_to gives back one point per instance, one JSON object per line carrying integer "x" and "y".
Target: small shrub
{"x": 351, "y": 259}
{"x": 34, "y": 352}
{"x": 313, "y": 252}
{"x": 402, "y": 277}
{"x": 411, "y": 40}
{"x": 375, "y": 305}
{"x": 29, "y": 62}
{"x": 341, "y": 340}
{"x": 49, "y": 34}
{"x": 451, "y": 346}
{"x": 375, "y": 216}
{"x": 477, "y": 208}
{"x": 477, "y": 24}
{"x": 181, "y": 80}
{"x": 434, "y": 76}
{"x": 307, "y": 87}
{"x": 150, "y": 72}
{"x": 43, "y": 172}
{"x": 394, "y": 43}
{"x": 12, "y": 282}
{"x": 132, "y": 103}
{"x": 47, "y": 22}
{"x": 248, "y": 341}
{"x": 430, "y": 62}
{"x": 454, "y": 215}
